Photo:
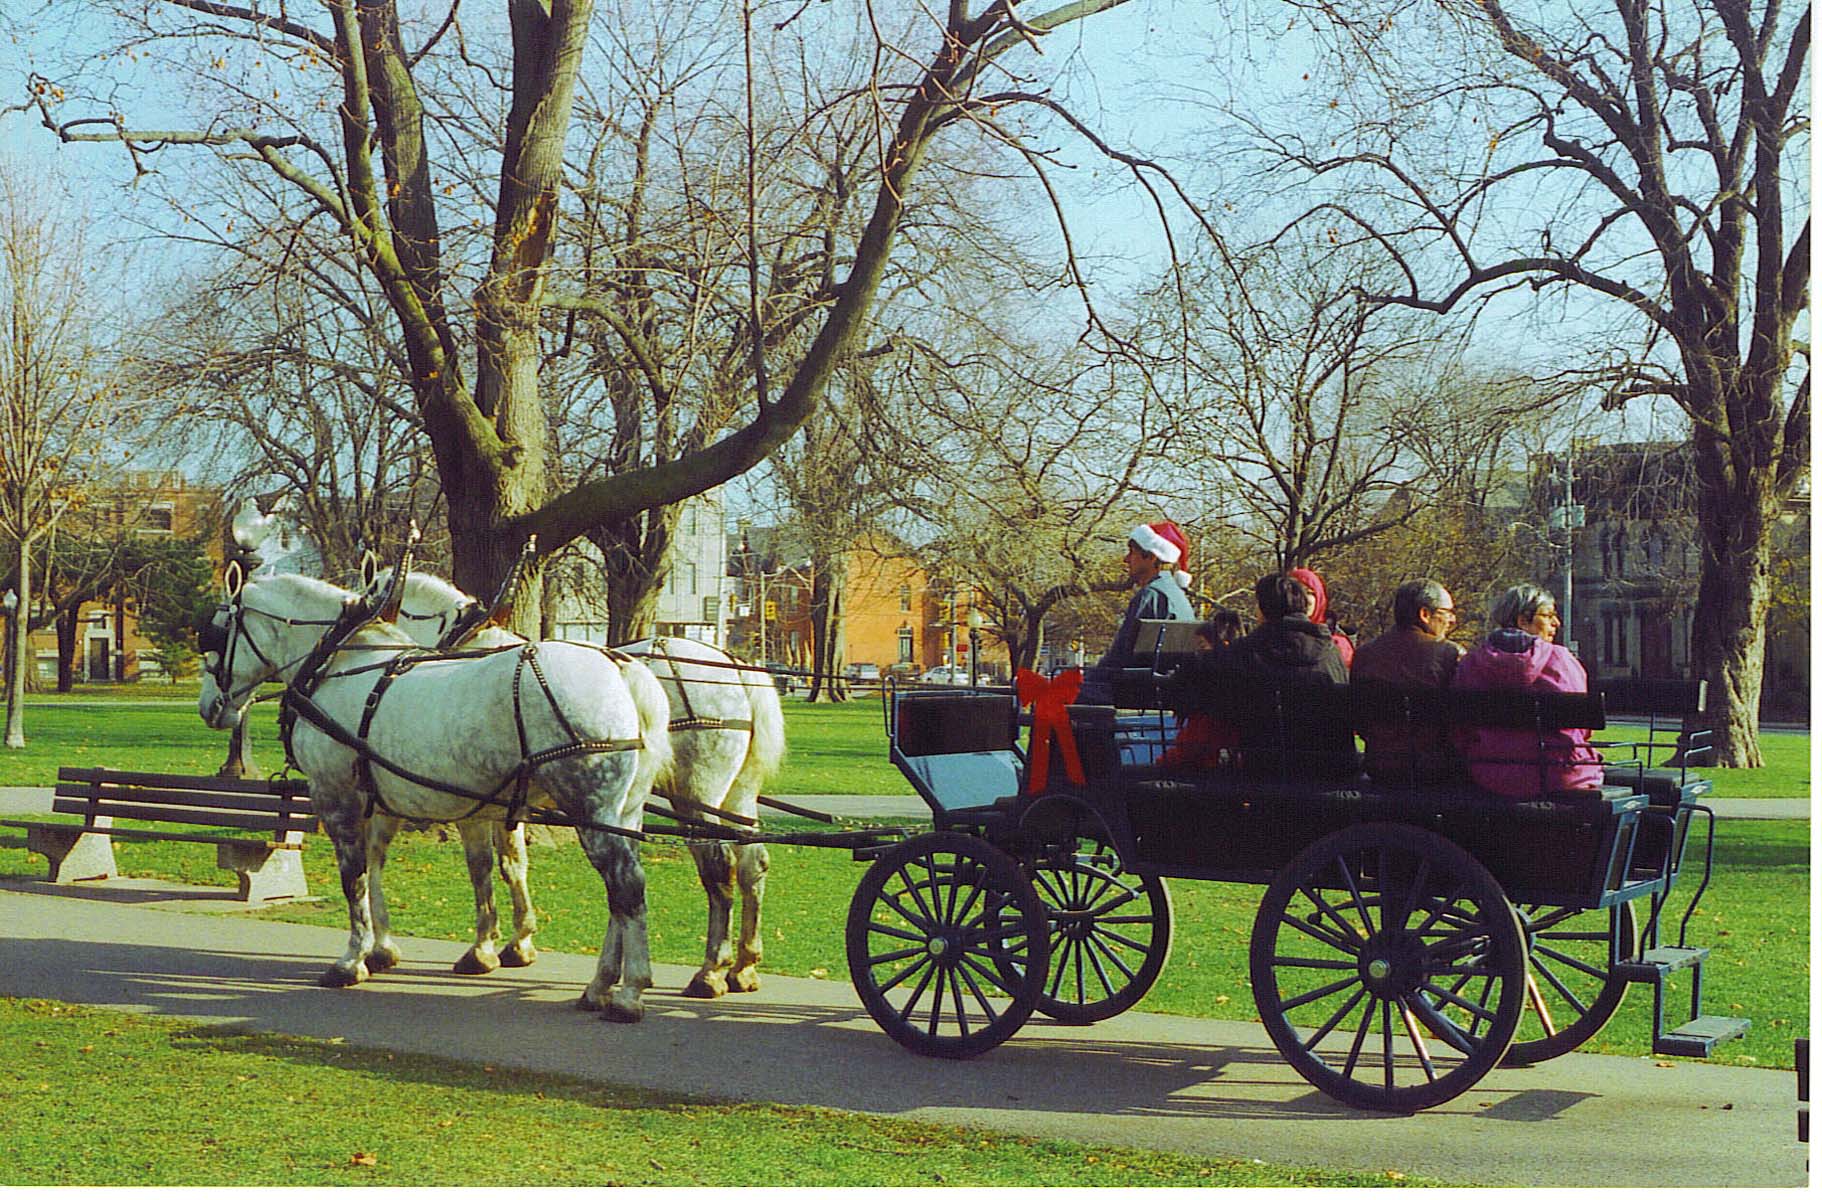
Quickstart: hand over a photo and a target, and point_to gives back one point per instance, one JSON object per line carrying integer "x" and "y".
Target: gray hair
{"x": 1412, "y": 597}
{"x": 1520, "y": 602}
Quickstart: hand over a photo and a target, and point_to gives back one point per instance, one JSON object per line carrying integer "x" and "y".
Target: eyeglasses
{"x": 1544, "y": 614}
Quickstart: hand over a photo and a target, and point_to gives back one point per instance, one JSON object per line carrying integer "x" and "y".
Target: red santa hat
{"x": 1164, "y": 542}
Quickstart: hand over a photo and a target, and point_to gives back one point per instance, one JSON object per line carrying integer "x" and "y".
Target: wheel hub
{"x": 1392, "y": 964}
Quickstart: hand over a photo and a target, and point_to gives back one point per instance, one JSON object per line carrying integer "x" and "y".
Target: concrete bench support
{"x": 74, "y": 853}
{"x": 267, "y": 872}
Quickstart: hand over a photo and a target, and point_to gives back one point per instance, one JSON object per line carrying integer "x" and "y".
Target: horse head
{"x": 264, "y": 628}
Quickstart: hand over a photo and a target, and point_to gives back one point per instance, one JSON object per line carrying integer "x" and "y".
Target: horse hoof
{"x": 746, "y": 980}
{"x": 382, "y": 959}
{"x": 339, "y": 976}
{"x": 622, "y": 1015}
{"x": 475, "y": 964}
{"x": 705, "y": 987}
{"x": 587, "y": 1003}
{"x": 512, "y": 956}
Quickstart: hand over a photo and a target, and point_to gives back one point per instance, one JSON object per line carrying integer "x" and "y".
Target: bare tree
{"x": 354, "y": 129}
{"x": 61, "y": 407}
{"x": 281, "y": 363}
{"x": 1644, "y": 156}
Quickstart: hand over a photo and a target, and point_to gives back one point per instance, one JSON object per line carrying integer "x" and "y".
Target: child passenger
{"x": 1203, "y": 743}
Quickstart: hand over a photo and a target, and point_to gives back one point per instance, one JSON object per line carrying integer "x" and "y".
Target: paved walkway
{"x": 1193, "y": 1086}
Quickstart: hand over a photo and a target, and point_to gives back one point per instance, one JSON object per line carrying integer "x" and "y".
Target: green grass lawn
{"x": 99, "y": 1098}
{"x": 834, "y": 749}
{"x": 1754, "y": 917}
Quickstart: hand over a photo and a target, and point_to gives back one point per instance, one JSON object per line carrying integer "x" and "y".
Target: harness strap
{"x": 686, "y": 724}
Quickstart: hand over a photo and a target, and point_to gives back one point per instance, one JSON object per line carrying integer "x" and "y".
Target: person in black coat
{"x": 1308, "y": 733}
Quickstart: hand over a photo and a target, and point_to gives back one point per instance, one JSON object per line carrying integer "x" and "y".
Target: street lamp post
{"x": 15, "y": 673}
{"x": 975, "y": 622}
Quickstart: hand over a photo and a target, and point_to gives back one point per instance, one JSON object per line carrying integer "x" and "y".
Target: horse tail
{"x": 654, "y": 724}
{"x": 765, "y": 752}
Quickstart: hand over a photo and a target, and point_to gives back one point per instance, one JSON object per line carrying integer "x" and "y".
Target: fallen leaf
{"x": 363, "y": 1158}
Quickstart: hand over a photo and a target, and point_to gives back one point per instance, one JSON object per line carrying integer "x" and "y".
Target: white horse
{"x": 560, "y": 723}
{"x": 727, "y": 738}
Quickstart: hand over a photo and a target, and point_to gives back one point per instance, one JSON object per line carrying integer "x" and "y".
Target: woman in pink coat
{"x": 1520, "y": 656}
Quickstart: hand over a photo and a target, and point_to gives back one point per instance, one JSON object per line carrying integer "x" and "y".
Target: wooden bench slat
{"x": 193, "y": 783}
{"x": 184, "y": 799}
{"x": 206, "y": 817}
{"x": 144, "y": 834}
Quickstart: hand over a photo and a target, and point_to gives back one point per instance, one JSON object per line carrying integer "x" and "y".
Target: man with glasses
{"x": 1416, "y": 653}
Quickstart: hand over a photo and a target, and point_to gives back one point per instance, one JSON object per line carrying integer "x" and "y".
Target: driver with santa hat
{"x": 1152, "y": 553}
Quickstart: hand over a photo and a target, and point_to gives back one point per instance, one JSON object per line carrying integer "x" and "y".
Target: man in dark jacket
{"x": 1308, "y": 732}
{"x": 1287, "y": 644}
{"x": 1417, "y": 655}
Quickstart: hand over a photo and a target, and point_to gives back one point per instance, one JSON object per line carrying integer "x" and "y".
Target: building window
{"x": 904, "y": 644}
{"x": 711, "y": 609}
{"x": 160, "y": 518}
{"x": 904, "y": 599}
{"x": 1619, "y": 552}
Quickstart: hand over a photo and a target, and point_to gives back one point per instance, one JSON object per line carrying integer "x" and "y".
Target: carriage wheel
{"x": 1571, "y": 990}
{"x": 1387, "y": 967}
{"x": 945, "y": 944}
{"x": 1109, "y": 933}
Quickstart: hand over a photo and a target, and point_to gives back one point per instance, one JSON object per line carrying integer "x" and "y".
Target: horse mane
{"x": 304, "y": 588}
{"x": 426, "y": 590}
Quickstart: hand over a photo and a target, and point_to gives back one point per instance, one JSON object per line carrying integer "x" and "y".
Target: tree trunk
{"x": 828, "y": 632}
{"x": 22, "y": 657}
{"x": 1736, "y": 510}
{"x": 239, "y": 764}
{"x": 634, "y": 553}
{"x": 69, "y": 641}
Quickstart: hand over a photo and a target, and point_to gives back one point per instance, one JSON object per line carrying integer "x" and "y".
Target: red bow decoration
{"x": 1049, "y": 700}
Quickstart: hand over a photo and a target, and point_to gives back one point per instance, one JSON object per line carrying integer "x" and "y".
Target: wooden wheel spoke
{"x": 1569, "y": 960}
{"x": 1327, "y": 989}
{"x": 1360, "y": 905}
{"x": 1354, "y": 940}
{"x": 1417, "y": 1043}
{"x": 1322, "y": 935}
{"x": 1456, "y": 998}
{"x": 1339, "y": 1016}
{"x": 1561, "y": 989}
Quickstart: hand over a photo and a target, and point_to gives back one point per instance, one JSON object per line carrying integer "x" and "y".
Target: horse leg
{"x": 342, "y": 821}
{"x": 384, "y": 955}
{"x": 753, "y": 862}
{"x": 715, "y": 867}
{"x": 477, "y": 848}
{"x": 510, "y": 844}
{"x": 626, "y": 958}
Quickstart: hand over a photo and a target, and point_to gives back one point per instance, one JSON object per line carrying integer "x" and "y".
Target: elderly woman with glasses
{"x": 1521, "y": 655}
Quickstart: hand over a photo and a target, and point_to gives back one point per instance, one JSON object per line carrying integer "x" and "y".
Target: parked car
{"x": 864, "y": 672}
{"x": 782, "y": 677}
{"x": 946, "y": 675}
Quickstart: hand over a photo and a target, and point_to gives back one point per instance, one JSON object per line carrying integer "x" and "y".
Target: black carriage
{"x": 1411, "y": 936}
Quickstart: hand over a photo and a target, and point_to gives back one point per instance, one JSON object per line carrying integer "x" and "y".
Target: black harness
{"x": 299, "y": 701}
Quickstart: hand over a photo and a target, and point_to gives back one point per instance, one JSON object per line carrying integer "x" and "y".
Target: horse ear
{"x": 234, "y": 579}
{"x": 370, "y": 569}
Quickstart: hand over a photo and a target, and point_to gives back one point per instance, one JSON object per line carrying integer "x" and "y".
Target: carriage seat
{"x": 959, "y": 752}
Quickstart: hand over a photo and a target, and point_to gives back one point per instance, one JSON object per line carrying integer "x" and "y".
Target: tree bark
{"x": 828, "y": 632}
{"x": 22, "y": 657}
{"x": 69, "y": 644}
{"x": 1736, "y": 511}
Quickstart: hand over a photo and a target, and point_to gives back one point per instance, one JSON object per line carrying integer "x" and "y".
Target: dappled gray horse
{"x": 727, "y": 739}
{"x": 550, "y": 723}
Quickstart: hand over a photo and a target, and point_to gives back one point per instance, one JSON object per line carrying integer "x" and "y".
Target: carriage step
{"x": 1653, "y": 965}
{"x": 1699, "y": 1036}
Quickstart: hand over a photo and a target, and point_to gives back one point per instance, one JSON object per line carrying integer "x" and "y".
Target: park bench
{"x": 268, "y": 867}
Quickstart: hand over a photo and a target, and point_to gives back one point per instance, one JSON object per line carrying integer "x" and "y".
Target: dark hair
{"x": 1221, "y": 628}
{"x": 1412, "y": 597}
{"x": 1279, "y": 596}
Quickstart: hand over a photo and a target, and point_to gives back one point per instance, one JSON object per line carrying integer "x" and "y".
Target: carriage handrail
{"x": 1707, "y": 872}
